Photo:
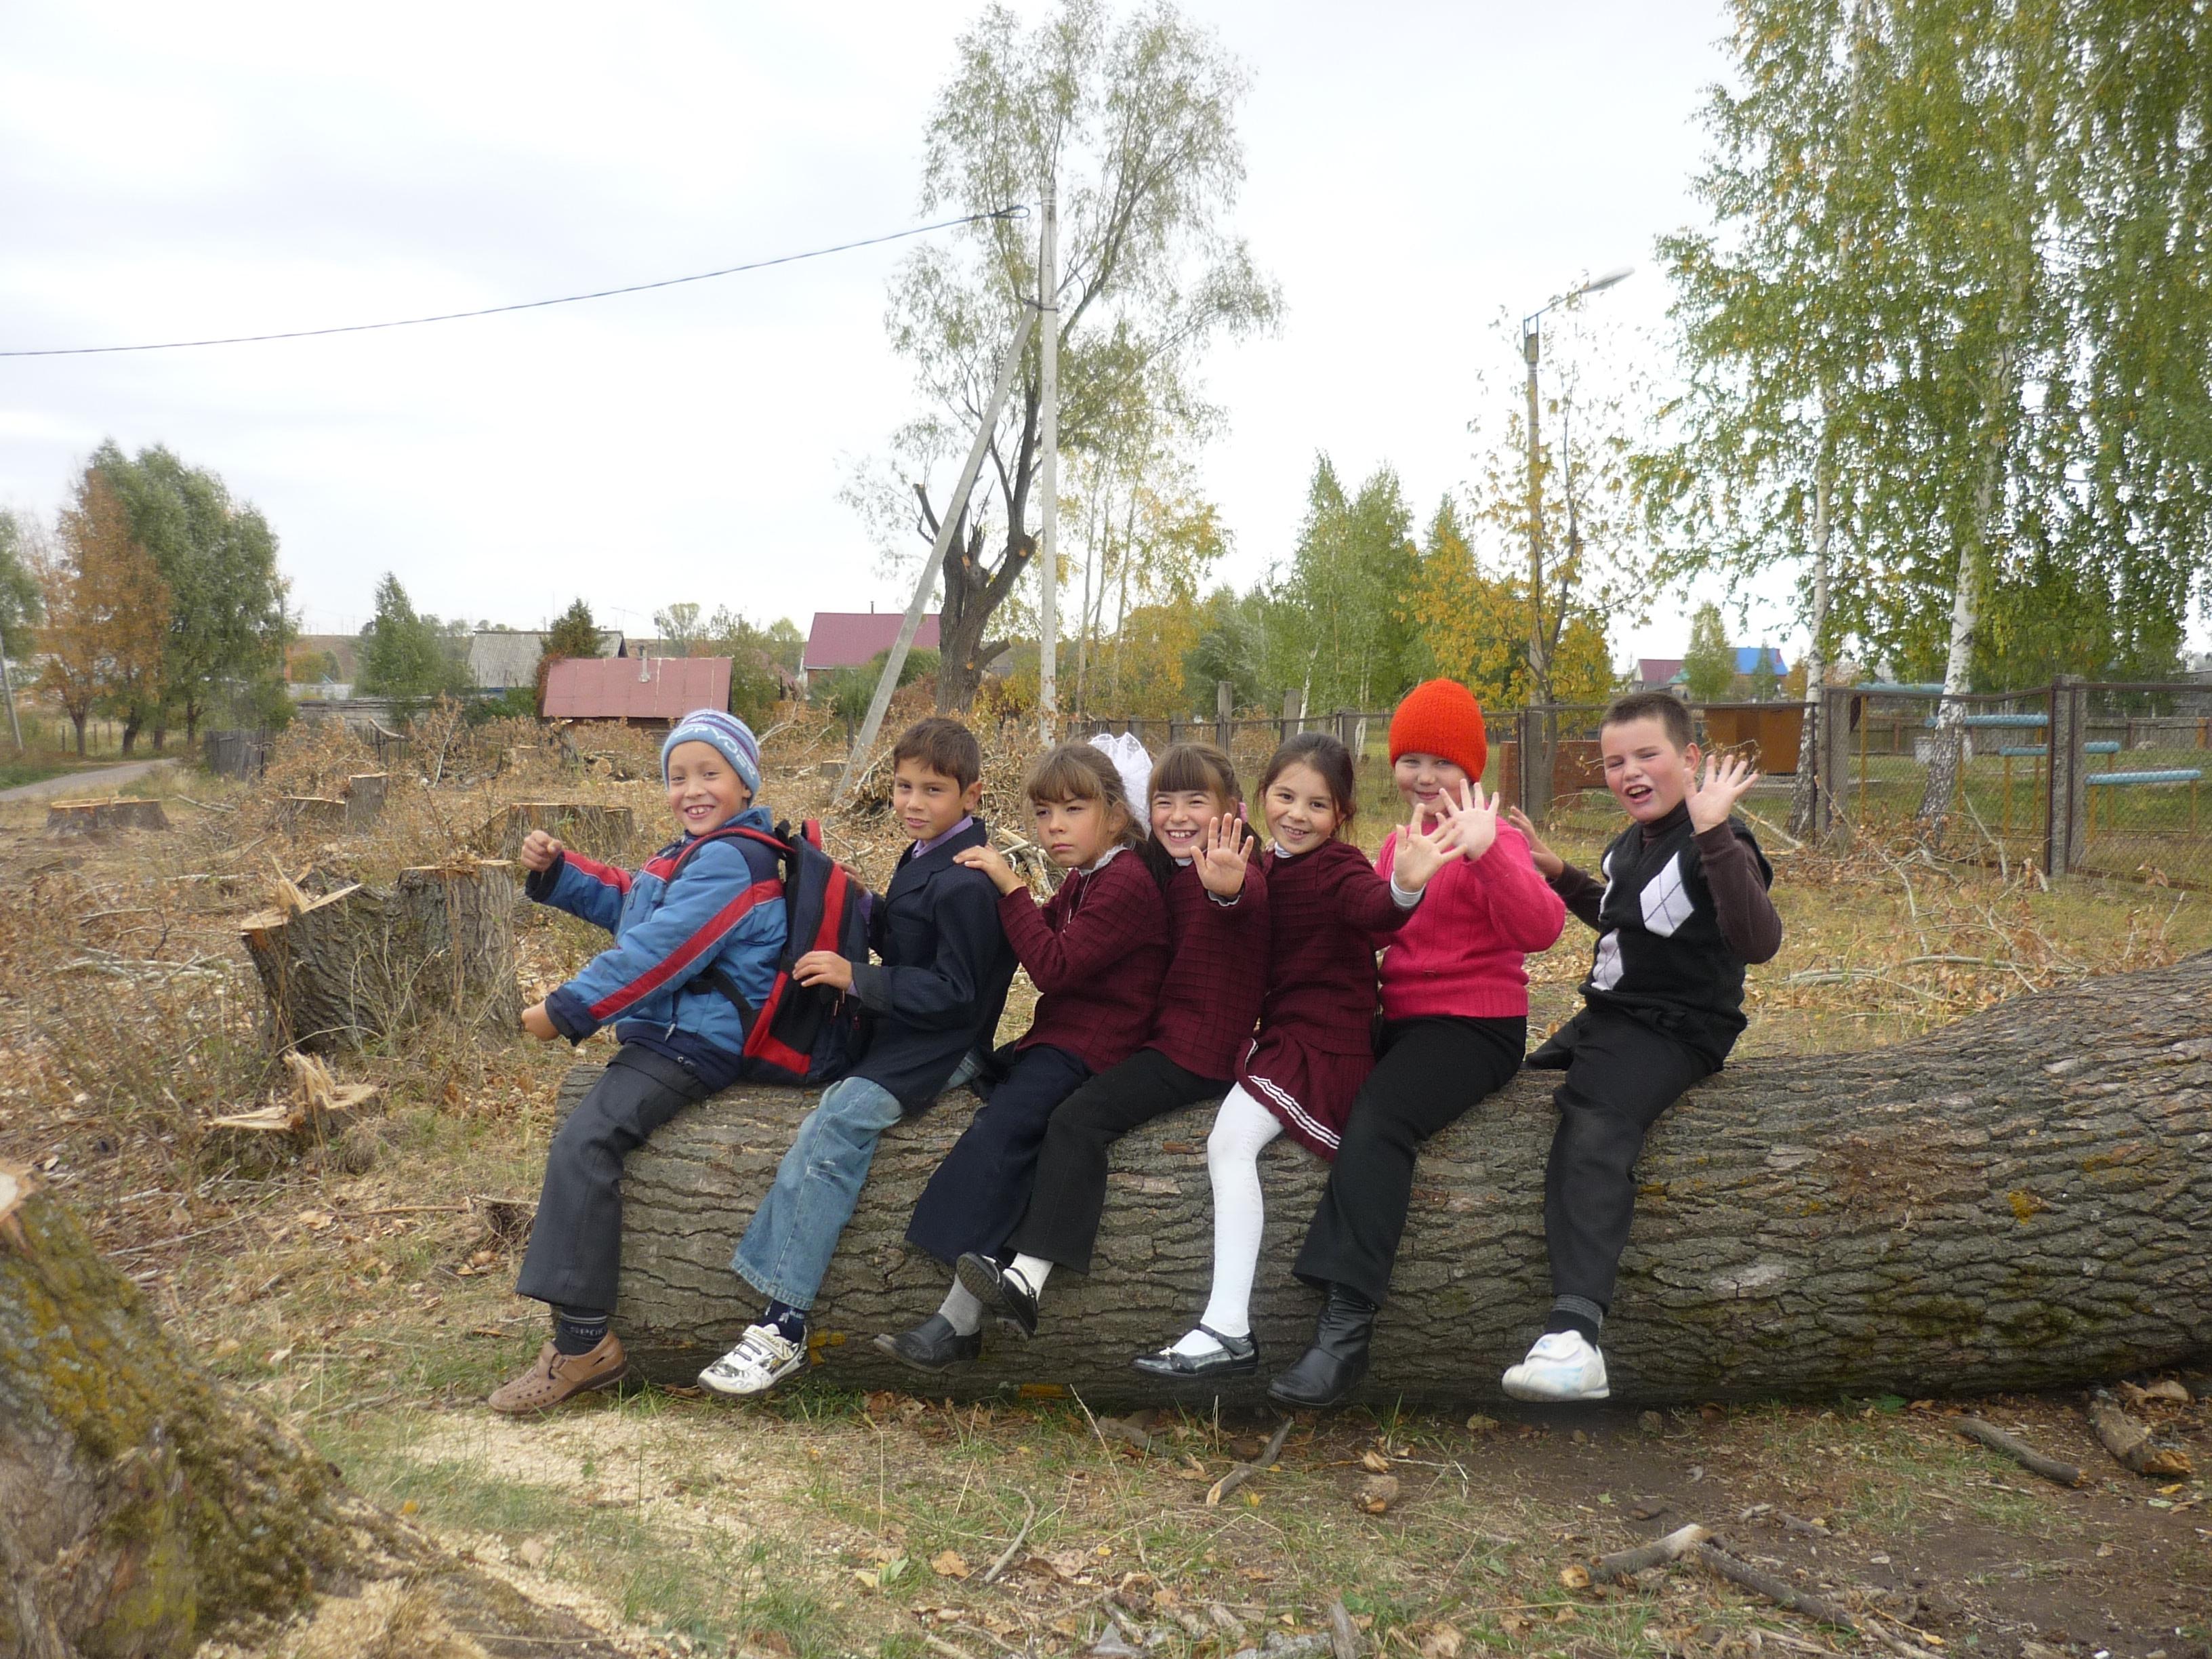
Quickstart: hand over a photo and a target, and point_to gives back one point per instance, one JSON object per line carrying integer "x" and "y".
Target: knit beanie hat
{"x": 1441, "y": 717}
{"x": 731, "y": 737}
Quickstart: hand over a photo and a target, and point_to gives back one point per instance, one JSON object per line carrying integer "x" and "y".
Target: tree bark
{"x": 2018, "y": 1201}
{"x": 87, "y": 818}
{"x": 357, "y": 964}
{"x": 593, "y": 829}
{"x": 142, "y": 1507}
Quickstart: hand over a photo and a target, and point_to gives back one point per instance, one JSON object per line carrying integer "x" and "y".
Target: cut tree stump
{"x": 142, "y": 1507}
{"x": 2017, "y": 1201}
{"x": 364, "y": 799}
{"x": 595, "y": 831}
{"x": 316, "y": 815}
{"x": 357, "y": 964}
{"x": 85, "y": 817}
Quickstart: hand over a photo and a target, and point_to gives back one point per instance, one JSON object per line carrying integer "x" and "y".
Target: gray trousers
{"x": 574, "y": 1257}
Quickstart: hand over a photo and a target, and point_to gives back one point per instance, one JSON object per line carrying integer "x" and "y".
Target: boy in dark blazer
{"x": 934, "y": 1001}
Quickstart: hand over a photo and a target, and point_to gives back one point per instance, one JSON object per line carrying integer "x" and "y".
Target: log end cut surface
{"x": 2017, "y": 1201}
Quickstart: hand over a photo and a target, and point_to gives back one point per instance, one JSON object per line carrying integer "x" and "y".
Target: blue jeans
{"x": 785, "y": 1251}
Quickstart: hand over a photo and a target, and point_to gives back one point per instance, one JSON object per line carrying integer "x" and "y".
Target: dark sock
{"x": 575, "y": 1330}
{"x": 790, "y": 1323}
{"x": 1576, "y": 1313}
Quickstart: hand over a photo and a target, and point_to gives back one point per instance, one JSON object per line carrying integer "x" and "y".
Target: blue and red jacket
{"x": 722, "y": 911}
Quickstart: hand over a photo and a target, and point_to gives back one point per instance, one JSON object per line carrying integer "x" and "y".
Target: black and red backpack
{"x": 801, "y": 1034}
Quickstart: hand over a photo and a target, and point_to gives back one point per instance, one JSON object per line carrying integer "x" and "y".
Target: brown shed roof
{"x": 635, "y": 688}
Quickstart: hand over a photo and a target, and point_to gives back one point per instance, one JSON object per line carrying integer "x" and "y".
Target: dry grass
{"x": 364, "y": 1295}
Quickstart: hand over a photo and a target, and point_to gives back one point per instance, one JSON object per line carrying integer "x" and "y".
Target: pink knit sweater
{"x": 1460, "y": 951}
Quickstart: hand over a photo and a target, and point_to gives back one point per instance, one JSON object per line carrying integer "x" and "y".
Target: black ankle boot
{"x": 1331, "y": 1368}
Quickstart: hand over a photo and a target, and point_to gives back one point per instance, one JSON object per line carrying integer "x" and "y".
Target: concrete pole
{"x": 887, "y": 683}
{"x": 1540, "y": 666}
{"x": 1049, "y": 472}
{"x": 8, "y": 691}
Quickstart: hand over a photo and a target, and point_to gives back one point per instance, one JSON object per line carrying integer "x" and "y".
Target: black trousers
{"x": 574, "y": 1257}
{"x": 1621, "y": 1075}
{"x": 1428, "y": 1074}
{"x": 1061, "y": 1223}
{"x": 979, "y": 1191}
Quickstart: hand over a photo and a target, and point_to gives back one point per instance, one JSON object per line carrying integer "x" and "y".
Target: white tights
{"x": 1241, "y": 1130}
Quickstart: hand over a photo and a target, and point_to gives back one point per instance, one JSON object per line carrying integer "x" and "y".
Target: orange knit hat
{"x": 1441, "y": 717}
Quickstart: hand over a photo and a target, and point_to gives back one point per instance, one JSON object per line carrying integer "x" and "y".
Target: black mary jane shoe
{"x": 999, "y": 1289}
{"x": 1333, "y": 1367}
{"x": 1239, "y": 1356}
{"x": 932, "y": 1345}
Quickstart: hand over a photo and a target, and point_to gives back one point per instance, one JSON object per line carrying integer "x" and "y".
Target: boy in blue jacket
{"x": 933, "y": 1004}
{"x": 699, "y": 925}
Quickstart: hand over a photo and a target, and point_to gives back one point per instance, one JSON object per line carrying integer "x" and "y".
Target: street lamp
{"x": 1540, "y": 666}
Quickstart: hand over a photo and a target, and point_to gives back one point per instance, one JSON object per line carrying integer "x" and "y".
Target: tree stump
{"x": 364, "y": 800}
{"x": 2018, "y": 1201}
{"x": 595, "y": 831}
{"x": 142, "y": 1507}
{"x": 357, "y": 964}
{"x": 87, "y": 818}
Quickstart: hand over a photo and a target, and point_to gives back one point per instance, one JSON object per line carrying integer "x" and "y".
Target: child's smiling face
{"x": 704, "y": 791}
{"x": 927, "y": 802}
{"x": 1648, "y": 775}
{"x": 1425, "y": 780}
{"x": 1301, "y": 812}
{"x": 1180, "y": 817}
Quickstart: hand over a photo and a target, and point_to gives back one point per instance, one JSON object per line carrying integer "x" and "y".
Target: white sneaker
{"x": 1562, "y": 1366}
{"x": 762, "y": 1359}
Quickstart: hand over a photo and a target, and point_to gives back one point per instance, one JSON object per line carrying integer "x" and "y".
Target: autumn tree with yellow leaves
{"x": 107, "y": 613}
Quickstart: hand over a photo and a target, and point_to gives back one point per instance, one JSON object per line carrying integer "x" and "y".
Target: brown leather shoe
{"x": 555, "y": 1376}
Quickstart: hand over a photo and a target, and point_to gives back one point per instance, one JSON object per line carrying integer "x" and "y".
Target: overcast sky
{"x": 175, "y": 172}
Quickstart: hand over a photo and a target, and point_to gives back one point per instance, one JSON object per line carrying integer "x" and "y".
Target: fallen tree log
{"x": 143, "y": 1507}
{"x": 358, "y": 964}
{"x": 2016, "y": 1201}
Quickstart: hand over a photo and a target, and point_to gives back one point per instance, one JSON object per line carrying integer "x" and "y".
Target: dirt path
{"x": 94, "y": 781}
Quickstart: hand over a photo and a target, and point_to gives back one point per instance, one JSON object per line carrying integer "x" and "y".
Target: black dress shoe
{"x": 932, "y": 1345}
{"x": 999, "y": 1289}
{"x": 1238, "y": 1356}
{"x": 1333, "y": 1367}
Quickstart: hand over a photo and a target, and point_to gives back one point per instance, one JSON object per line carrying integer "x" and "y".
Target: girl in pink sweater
{"x": 1454, "y": 1025}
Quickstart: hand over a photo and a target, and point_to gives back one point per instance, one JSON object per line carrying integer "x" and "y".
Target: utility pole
{"x": 1049, "y": 473}
{"x": 1540, "y": 662}
{"x": 955, "y": 510}
{"x": 8, "y": 691}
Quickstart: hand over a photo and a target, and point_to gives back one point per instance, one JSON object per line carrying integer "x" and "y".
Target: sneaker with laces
{"x": 762, "y": 1358}
{"x": 1562, "y": 1366}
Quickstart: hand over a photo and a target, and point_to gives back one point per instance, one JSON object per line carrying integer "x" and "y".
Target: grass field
{"x": 362, "y": 1298}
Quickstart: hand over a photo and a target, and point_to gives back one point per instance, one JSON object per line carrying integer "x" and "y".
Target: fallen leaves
{"x": 1377, "y": 1493}
{"x": 948, "y": 1564}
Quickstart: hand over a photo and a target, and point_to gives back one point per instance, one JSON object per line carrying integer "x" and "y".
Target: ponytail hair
{"x": 1329, "y": 758}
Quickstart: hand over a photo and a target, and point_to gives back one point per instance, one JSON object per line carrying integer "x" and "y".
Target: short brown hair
{"x": 1197, "y": 766}
{"x": 1670, "y": 710}
{"x": 1076, "y": 771}
{"x": 1331, "y": 760}
{"x": 944, "y": 746}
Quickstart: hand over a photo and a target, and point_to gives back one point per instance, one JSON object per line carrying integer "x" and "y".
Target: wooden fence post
{"x": 1294, "y": 714}
{"x": 2065, "y": 839}
{"x": 1834, "y": 763}
{"x": 1225, "y": 705}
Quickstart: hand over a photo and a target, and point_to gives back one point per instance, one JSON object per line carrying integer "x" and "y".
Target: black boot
{"x": 1331, "y": 1368}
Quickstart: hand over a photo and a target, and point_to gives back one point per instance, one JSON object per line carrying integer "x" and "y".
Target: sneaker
{"x": 1000, "y": 1289}
{"x": 1562, "y": 1366}
{"x": 762, "y": 1358}
{"x": 554, "y": 1377}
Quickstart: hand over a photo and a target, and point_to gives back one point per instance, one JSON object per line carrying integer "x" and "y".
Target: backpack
{"x": 802, "y": 1034}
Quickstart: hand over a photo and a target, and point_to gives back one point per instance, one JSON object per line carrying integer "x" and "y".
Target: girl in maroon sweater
{"x": 1326, "y": 907}
{"x": 1217, "y": 901}
{"x": 1096, "y": 952}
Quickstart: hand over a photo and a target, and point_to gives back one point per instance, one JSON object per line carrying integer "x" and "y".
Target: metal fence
{"x": 2075, "y": 777}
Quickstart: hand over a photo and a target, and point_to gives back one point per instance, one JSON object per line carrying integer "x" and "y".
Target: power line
{"x": 1015, "y": 212}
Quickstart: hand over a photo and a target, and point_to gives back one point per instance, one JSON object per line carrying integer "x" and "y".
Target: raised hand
{"x": 1422, "y": 852}
{"x": 1547, "y": 862}
{"x": 1727, "y": 780}
{"x": 992, "y": 863}
{"x": 539, "y": 850}
{"x": 1221, "y": 862}
{"x": 1475, "y": 816}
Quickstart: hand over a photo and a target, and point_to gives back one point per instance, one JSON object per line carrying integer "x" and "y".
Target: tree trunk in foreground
{"x": 357, "y": 964}
{"x": 142, "y": 1507}
{"x": 2017, "y": 1201}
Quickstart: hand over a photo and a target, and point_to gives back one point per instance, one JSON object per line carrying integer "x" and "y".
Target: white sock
{"x": 962, "y": 1312}
{"x": 1034, "y": 1270}
{"x": 1240, "y": 1130}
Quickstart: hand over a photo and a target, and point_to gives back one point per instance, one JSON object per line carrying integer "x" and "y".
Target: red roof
{"x": 635, "y": 688}
{"x": 847, "y": 639}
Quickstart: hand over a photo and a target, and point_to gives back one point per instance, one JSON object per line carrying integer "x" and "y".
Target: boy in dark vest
{"x": 1681, "y": 909}
{"x": 932, "y": 1000}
